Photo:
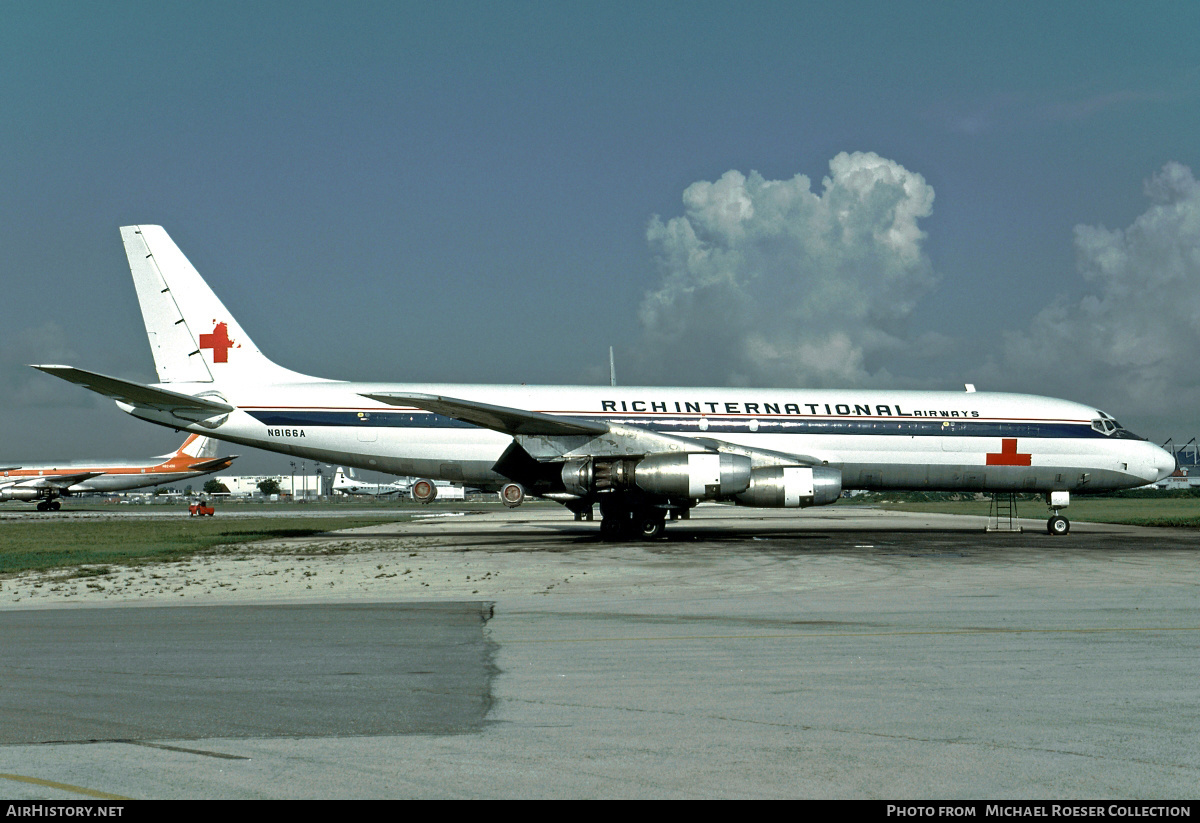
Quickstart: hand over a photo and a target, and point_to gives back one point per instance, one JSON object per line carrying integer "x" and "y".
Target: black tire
{"x": 1058, "y": 525}
{"x": 610, "y": 528}
{"x": 653, "y": 527}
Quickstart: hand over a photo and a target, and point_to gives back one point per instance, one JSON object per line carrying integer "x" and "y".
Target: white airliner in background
{"x": 47, "y": 482}
{"x": 641, "y": 453}
{"x": 345, "y": 482}
{"x": 422, "y": 490}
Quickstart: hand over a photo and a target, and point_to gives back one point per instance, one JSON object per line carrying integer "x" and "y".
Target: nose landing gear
{"x": 1057, "y": 524}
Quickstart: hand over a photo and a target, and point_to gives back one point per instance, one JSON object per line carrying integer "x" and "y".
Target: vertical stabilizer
{"x": 192, "y": 335}
{"x": 199, "y": 447}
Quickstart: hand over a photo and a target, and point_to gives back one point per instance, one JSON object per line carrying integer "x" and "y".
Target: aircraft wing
{"x": 547, "y": 437}
{"x": 497, "y": 418}
{"x": 136, "y": 394}
{"x": 54, "y": 481}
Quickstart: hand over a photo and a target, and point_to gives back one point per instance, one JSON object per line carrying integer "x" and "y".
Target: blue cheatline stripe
{"x": 906, "y": 427}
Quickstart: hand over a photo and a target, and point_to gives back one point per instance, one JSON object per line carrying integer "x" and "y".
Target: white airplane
{"x": 46, "y": 483}
{"x": 641, "y": 453}
{"x": 422, "y": 490}
{"x": 345, "y": 482}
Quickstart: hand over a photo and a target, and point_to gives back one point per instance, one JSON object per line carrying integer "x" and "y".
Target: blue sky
{"x": 497, "y": 192}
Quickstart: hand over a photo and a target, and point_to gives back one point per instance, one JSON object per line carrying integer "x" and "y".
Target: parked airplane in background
{"x": 424, "y": 490}
{"x": 46, "y": 483}
{"x": 641, "y": 453}
{"x": 421, "y": 490}
{"x": 345, "y": 482}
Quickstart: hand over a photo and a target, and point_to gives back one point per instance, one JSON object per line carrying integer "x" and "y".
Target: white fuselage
{"x": 980, "y": 441}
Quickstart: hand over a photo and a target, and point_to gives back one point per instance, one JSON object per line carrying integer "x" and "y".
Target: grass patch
{"x": 47, "y": 544}
{"x": 1179, "y": 511}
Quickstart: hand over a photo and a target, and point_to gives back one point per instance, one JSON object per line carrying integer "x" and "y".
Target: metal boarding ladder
{"x": 1002, "y": 513}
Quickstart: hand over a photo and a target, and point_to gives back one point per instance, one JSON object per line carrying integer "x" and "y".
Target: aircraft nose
{"x": 1162, "y": 464}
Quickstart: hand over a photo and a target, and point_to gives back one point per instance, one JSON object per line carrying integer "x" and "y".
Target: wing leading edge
{"x": 498, "y": 418}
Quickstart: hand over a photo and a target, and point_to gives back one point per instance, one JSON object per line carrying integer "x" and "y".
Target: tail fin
{"x": 192, "y": 335}
{"x": 199, "y": 446}
{"x": 196, "y": 446}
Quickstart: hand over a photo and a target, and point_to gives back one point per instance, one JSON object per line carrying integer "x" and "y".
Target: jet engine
{"x": 680, "y": 476}
{"x": 21, "y": 494}
{"x": 698, "y": 476}
{"x": 791, "y": 487}
{"x": 424, "y": 491}
{"x": 512, "y": 495}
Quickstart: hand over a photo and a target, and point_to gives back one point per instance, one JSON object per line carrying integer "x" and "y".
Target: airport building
{"x": 1187, "y": 466}
{"x": 298, "y": 486}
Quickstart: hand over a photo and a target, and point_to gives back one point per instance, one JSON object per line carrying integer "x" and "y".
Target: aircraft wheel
{"x": 610, "y": 528}
{"x": 653, "y": 527}
{"x": 1058, "y": 525}
{"x": 54, "y": 505}
{"x": 41, "y": 506}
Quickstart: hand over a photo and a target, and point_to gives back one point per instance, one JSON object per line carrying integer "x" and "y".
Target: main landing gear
{"x": 48, "y": 505}
{"x": 623, "y": 520}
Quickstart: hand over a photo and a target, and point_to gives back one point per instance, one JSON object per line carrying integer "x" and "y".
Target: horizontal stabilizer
{"x": 135, "y": 394}
{"x": 498, "y": 418}
{"x": 208, "y": 465}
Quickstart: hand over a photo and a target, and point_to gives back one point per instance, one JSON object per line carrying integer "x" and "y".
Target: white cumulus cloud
{"x": 767, "y": 282}
{"x": 1133, "y": 342}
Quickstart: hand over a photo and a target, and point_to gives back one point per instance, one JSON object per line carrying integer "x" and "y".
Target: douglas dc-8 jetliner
{"x": 641, "y": 453}
{"x": 46, "y": 483}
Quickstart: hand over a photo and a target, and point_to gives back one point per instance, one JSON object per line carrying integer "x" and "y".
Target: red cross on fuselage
{"x": 219, "y": 342}
{"x": 1008, "y": 455}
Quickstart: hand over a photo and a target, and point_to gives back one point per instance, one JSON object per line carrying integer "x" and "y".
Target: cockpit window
{"x": 1109, "y": 427}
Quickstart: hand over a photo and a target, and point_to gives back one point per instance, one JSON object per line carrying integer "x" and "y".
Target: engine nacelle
{"x": 695, "y": 476}
{"x": 578, "y": 476}
{"x": 512, "y": 495}
{"x": 778, "y": 487}
{"x": 21, "y": 494}
{"x": 423, "y": 491}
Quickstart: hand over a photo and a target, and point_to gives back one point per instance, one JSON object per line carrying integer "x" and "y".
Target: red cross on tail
{"x": 219, "y": 342}
{"x": 1008, "y": 455}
